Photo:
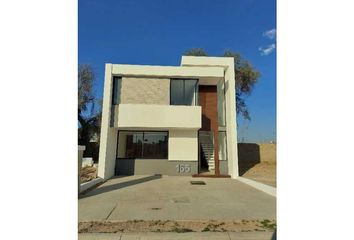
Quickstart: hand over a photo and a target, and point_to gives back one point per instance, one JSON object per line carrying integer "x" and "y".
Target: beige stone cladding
{"x": 145, "y": 90}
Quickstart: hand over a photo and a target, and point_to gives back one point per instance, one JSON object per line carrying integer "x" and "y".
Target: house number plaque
{"x": 183, "y": 168}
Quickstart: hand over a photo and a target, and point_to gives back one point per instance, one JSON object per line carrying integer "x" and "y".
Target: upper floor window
{"x": 184, "y": 92}
{"x": 117, "y": 82}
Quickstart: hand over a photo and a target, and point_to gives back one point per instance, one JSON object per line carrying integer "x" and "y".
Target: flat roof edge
{"x": 167, "y": 71}
{"x": 206, "y": 61}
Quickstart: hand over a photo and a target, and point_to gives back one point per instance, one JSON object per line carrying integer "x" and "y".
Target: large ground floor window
{"x": 142, "y": 144}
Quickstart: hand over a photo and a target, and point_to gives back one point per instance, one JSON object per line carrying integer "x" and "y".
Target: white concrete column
{"x": 231, "y": 121}
{"x": 108, "y": 138}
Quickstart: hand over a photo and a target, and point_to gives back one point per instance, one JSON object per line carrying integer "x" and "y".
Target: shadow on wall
{"x": 248, "y": 156}
{"x": 206, "y": 123}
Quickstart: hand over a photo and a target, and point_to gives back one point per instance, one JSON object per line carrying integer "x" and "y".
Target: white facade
{"x": 158, "y": 116}
{"x": 145, "y": 107}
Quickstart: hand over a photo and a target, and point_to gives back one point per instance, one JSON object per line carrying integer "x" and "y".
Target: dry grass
{"x": 264, "y": 172}
{"x": 88, "y": 173}
{"x": 177, "y": 226}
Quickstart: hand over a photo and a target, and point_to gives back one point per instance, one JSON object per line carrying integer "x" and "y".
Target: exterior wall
{"x": 147, "y": 116}
{"x": 145, "y": 91}
{"x": 250, "y": 154}
{"x": 268, "y": 152}
{"x": 183, "y": 145}
{"x": 224, "y": 169}
{"x": 257, "y": 153}
{"x": 154, "y": 166}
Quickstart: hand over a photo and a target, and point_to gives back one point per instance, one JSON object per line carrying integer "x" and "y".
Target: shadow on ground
{"x": 117, "y": 186}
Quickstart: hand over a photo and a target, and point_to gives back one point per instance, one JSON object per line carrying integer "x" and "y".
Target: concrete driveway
{"x": 174, "y": 198}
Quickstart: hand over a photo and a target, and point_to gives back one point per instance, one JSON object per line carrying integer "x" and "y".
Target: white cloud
{"x": 268, "y": 50}
{"x": 270, "y": 33}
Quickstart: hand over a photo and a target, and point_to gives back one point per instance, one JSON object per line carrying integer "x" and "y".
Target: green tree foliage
{"x": 246, "y": 76}
{"x": 196, "y": 52}
{"x": 88, "y": 117}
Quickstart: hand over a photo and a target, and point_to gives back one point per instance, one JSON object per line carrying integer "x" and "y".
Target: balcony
{"x": 146, "y": 116}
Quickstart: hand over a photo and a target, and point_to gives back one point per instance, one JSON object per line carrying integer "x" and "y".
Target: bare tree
{"x": 88, "y": 116}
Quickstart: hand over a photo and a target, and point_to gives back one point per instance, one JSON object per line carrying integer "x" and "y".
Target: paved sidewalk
{"x": 260, "y": 186}
{"x": 174, "y": 198}
{"x": 180, "y": 236}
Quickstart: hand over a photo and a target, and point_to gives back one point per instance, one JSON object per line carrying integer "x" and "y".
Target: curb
{"x": 260, "y": 186}
{"x": 90, "y": 184}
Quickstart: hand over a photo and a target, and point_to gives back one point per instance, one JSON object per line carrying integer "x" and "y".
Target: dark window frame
{"x": 142, "y": 149}
{"x": 114, "y": 93}
{"x": 196, "y": 101}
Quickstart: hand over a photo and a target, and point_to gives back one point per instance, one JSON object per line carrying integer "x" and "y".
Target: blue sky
{"x": 157, "y": 32}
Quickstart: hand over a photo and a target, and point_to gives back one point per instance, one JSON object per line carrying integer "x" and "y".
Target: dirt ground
{"x": 264, "y": 172}
{"x": 88, "y": 173}
{"x": 177, "y": 226}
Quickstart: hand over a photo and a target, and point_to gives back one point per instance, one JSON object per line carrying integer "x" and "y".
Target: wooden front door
{"x": 208, "y": 101}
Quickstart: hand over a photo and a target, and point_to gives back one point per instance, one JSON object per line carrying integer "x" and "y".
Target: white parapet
{"x": 168, "y": 71}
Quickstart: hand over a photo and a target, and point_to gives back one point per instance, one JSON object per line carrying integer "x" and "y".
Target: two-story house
{"x": 170, "y": 120}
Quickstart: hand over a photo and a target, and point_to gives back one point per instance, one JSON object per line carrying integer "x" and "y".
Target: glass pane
{"x": 222, "y": 146}
{"x": 122, "y": 136}
{"x": 155, "y": 145}
{"x": 177, "y": 95}
{"x": 190, "y": 87}
{"x": 116, "y": 90}
{"x": 130, "y": 144}
{"x": 221, "y": 104}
